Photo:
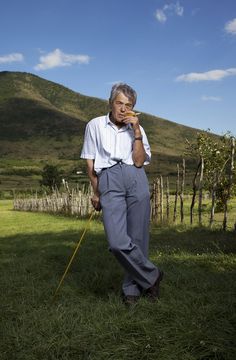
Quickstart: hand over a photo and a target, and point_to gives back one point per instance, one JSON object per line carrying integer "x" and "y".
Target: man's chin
{"x": 118, "y": 120}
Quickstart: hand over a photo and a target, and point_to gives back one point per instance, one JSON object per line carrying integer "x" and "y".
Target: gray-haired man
{"x": 116, "y": 148}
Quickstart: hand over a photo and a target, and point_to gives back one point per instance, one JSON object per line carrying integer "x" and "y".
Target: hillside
{"x": 42, "y": 121}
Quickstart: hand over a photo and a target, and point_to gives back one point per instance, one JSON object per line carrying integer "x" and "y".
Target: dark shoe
{"x": 130, "y": 300}
{"x": 153, "y": 293}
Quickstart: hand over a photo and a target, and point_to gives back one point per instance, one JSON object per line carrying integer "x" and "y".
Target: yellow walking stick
{"x": 72, "y": 257}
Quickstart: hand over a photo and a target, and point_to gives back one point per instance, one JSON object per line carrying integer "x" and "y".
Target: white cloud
{"x": 169, "y": 9}
{"x": 230, "y": 27}
{"x": 211, "y": 98}
{"x": 212, "y": 75}
{"x": 57, "y": 58}
{"x": 179, "y": 10}
{"x": 160, "y": 15}
{"x": 15, "y": 57}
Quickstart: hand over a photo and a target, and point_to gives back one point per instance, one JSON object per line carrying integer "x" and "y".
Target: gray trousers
{"x": 125, "y": 201}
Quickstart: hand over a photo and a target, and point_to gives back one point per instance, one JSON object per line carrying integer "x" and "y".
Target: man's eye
{"x": 127, "y": 106}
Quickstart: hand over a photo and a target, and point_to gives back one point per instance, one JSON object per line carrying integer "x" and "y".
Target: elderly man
{"x": 116, "y": 148}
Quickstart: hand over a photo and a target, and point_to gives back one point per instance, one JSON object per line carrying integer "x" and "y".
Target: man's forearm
{"x": 94, "y": 182}
{"x": 93, "y": 178}
{"x": 139, "y": 154}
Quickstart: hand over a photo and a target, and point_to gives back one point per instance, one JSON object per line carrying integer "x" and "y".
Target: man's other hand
{"x": 96, "y": 202}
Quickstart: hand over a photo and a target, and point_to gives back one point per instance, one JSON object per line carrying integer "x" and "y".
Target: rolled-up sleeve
{"x": 89, "y": 146}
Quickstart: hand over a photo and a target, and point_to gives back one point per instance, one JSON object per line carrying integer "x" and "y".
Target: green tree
{"x": 217, "y": 154}
{"x": 51, "y": 177}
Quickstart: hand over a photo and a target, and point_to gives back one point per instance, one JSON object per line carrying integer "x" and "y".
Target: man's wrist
{"x": 138, "y": 137}
{"x": 137, "y": 133}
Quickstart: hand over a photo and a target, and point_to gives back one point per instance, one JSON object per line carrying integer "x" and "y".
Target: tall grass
{"x": 195, "y": 318}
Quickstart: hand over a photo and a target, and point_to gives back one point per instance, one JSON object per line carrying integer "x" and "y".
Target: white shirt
{"x": 107, "y": 144}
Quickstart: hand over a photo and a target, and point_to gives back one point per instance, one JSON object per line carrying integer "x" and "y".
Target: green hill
{"x": 42, "y": 122}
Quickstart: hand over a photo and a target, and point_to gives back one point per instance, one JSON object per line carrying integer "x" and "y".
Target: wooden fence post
{"x": 176, "y": 195}
{"x": 182, "y": 193}
{"x": 161, "y": 198}
{"x": 167, "y": 199}
{"x": 213, "y": 198}
{"x": 153, "y": 201}
{"x": 200, "y": 192}
{"x": 194, "y": 193}
{"x": 230, "y": 183}
{"x": 157, "y": 204}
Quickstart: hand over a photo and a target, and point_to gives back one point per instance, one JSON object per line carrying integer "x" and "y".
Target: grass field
{"x": 195, "y": 318}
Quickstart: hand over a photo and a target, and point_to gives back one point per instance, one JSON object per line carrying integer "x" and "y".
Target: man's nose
{"x": 123, "y": 108}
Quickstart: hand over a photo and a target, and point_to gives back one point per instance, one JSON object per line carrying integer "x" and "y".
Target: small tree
{"x": 218, "y": 163}
{"x": 51, "y": 177}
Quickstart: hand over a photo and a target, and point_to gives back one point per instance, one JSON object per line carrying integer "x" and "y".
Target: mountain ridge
{"x": 43, "y": 120}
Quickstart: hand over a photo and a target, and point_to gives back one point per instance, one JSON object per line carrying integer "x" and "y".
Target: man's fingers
{"x": 99, "y": 208}
{"x": 96, "y": 204}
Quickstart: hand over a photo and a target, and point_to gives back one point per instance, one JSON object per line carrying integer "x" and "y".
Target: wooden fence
{"x": 197, "y": 207}
{"x": 165, "y": 207}
{"x": 75, "y": 202}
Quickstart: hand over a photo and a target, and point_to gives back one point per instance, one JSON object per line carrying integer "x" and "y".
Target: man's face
{"x": 119, "y": 107}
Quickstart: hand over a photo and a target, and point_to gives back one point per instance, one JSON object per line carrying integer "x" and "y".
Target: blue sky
{"x": 180, "y": 56}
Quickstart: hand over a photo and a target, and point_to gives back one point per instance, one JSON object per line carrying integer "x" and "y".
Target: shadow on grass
{"x": 192, "y": 240}
{"x": 43, "y": 258}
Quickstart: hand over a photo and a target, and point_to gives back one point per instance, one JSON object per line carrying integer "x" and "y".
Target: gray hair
{"x": 124, "y": 89}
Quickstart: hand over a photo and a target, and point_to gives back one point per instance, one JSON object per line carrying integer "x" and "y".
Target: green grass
{"x": 195, "y": 318}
